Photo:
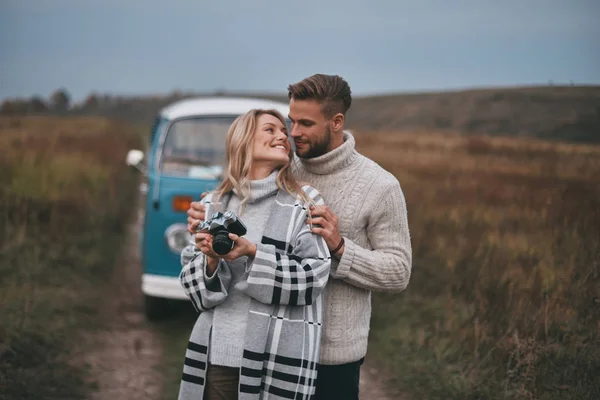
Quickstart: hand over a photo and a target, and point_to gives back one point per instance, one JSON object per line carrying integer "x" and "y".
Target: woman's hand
{"x": 195, "y": 215}
{"x": 204, "y": 243}
{"x": 242, "y": 247}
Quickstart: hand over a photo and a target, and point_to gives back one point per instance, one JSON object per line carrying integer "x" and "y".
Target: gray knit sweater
{"x": 373, "y": 220}
{"x": 229, "y": 321}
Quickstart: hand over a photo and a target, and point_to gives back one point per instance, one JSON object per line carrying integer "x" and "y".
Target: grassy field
{"x": 65, "y": 199}
{"x": 504, "y": 301}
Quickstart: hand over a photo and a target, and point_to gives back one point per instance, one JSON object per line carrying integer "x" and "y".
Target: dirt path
{"x": 124, "y": 357}
{"x": 373, "y": 384}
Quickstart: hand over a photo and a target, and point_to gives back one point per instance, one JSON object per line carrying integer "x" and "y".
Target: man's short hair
{"x": 331, "y": 91}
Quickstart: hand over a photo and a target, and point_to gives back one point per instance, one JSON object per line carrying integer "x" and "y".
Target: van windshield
{"x": 195, "y": 147}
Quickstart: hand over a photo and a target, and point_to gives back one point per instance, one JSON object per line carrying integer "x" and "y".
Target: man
{"x": 365, "y": 226}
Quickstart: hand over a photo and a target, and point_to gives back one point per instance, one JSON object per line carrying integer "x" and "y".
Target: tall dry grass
{"x": 504, "y": 300}
{"x": 65, "y": 198}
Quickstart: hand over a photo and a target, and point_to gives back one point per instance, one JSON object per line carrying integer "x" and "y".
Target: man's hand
{"x": 327, "y": 227}
{"x": 195, "y": 215}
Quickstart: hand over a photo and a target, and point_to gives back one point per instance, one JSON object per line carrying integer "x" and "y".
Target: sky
{"x": 147, "y": 47}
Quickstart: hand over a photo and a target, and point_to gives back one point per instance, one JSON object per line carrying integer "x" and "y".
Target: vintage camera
{"x": 220, "y": 225}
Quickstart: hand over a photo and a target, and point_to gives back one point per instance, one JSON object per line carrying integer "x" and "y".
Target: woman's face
{"x": 271, "y": 144}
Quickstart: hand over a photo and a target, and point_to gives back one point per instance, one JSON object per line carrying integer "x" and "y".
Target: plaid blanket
{"x": 284, "y": 281}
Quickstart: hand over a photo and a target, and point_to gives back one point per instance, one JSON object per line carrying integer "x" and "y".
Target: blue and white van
{"x": 185, "y": 157}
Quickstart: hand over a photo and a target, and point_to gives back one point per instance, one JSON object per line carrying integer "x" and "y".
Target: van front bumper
{"x": 163, "y": 286}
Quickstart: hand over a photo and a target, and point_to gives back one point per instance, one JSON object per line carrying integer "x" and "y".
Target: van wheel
{"x": 155, "y": 308}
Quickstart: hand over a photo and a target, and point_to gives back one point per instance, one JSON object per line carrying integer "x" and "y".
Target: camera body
{"x": 220, "y": 225}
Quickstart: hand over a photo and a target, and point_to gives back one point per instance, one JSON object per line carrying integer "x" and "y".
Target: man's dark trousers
{"x": 338, "y": 381}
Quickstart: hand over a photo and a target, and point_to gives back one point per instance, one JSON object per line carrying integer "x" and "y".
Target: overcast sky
{"x": 152, "y": 47}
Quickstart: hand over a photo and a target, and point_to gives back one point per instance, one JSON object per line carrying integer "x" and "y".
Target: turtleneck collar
{"x": 335, "y": 160}
{"x": 261, "y": 188}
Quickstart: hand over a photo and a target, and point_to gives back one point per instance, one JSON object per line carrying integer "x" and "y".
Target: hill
{"x": 566, "y": 113}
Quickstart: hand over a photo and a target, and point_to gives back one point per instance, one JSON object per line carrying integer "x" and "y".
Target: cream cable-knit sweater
{"x": 371, "y": 210}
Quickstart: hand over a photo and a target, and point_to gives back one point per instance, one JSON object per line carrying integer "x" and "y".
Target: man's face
{"x": 310, "y": 129}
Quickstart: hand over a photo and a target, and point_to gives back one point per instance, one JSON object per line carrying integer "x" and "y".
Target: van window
{"x": 195, "y": 146}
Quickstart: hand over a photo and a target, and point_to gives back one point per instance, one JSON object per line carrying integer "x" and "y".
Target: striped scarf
{"x": 284, "y": 281}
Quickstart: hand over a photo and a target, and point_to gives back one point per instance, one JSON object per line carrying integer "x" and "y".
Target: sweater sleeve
{"x": 296, "y": 276}
{"x": 388, "y": 266}
{"x": 204, "y": 292}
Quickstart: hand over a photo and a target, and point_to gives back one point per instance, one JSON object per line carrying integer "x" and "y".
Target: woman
{"x": 259, "y": 329}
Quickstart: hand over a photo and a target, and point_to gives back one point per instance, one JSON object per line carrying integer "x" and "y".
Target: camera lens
{"x": 221, "y": 242}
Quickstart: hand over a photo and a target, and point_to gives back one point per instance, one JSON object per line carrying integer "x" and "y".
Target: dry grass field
{"x": 65, "y": 198}
{"x": 504, "y": 300}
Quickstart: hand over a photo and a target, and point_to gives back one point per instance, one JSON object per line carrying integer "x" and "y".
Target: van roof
{"x": 218, "y": 106}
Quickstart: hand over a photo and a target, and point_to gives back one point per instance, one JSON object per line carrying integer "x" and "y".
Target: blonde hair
{"x": 239, "y": 147}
